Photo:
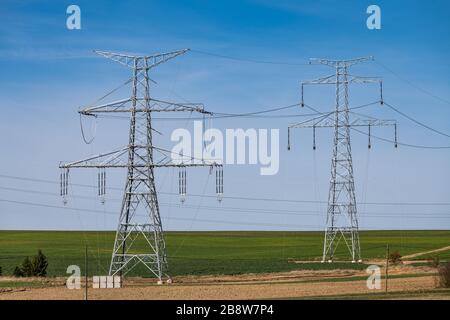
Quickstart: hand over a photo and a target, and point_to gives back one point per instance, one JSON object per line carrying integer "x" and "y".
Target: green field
{"x": 212, "y": 252}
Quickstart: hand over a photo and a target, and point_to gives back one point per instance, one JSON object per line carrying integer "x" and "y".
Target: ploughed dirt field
{"x": 405, "y": 282}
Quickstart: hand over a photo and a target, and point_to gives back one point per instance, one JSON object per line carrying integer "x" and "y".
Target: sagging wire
{"x": 417, "y": 121}
{"x": 82, "y": 131}
{"x": 98, "y": 100}
{"x": 249, "y": 60}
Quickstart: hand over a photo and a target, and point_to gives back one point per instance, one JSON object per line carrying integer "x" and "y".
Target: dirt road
{"x": 411, "y": 256}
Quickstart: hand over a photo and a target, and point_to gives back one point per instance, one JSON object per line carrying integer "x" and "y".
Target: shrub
{"x": 36, "y": 267}
{"x": 395, "y": 257}
{"x": 18, "y": 272}
{"x": 444, "y": 275}
{"x": 39, "y": 264}
{"x": 27, "y": 267}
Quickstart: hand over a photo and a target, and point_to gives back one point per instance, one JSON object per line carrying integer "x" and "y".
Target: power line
{"x": 306, "y": 64}
{"x": 260, "y": 112}
{"x": 384, "y": 139}
{"x": 412, "y": 84}
{"x": 228, "y": 57}
{"x": 416, "y": 121}
{"x": 241, "y": 209}
{"x": 256, "y": 114}
{"x": 248, "y": 198}
{"x": 248, "y": 60}
{"x": 171, "y": 218}
{"x": 220, "y": 115}
{"x": 402, "y": 143}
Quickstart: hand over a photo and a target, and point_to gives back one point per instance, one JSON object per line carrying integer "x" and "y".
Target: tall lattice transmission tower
{"x": 140, "y": 237}
{"x": 342, "y": 218}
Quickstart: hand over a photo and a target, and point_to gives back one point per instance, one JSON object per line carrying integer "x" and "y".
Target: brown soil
{"x": 250, "y": 286}
{"x": 220, "y": 291}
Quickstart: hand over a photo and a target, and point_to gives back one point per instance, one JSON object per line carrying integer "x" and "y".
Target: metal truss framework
{"x": 139, "y": 237}
{"x": 342, "y": 219}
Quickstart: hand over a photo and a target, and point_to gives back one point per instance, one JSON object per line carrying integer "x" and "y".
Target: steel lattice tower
{"x": 342, "y": 218}
{"x": 139, "y": 237}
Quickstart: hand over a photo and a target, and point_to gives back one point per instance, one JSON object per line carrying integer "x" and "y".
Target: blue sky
{"x": 48, "y": 72}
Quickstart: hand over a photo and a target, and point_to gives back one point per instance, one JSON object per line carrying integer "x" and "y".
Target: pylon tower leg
{"x": 139, "y": 237}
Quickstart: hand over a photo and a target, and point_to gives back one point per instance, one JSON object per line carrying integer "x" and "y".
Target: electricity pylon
{"x": 139, "y": 237}
{"x": 342, "y": 218}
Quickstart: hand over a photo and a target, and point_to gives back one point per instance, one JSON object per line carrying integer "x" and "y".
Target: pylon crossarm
{"x": 311, "y": 122}
{"x": 119, "y": 159}
{"x": 187, "y": 162}
{"x": 144, "y": 105}
{"x": 164, "y": 106}
{"x": 331, "y": 79}
{"x": 103, "y": 160}
{"x": 327, "y": 122}
{"x": 115, "y": 106}
{"x": 372, "y": 123}
{"x": 362, "y": 80}
{"x": 178, "y": 159}
{"x": 157, "y": 59}
{"x": 149, "y": 165}
{"x": 340, "y": 63}
{"x": 129, "y": 60}
{"x": 126, "y": 60}
{"x": 322, "y": 80}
